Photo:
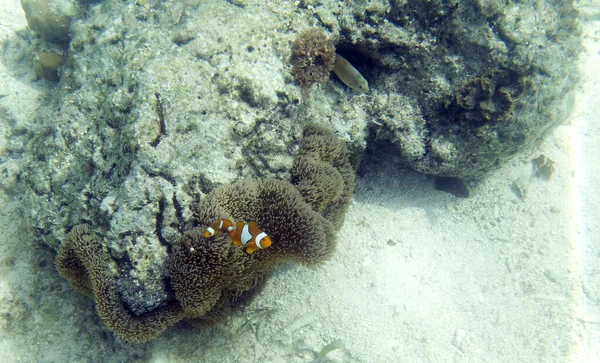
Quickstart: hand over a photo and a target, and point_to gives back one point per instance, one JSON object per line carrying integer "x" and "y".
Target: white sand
{"x": 488, "y": 278}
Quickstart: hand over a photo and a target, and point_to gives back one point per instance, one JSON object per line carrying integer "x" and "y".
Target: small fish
{"x": 250, "y": 236}
{"x": 349, "y": 75}
{"x": 224, "y": 225}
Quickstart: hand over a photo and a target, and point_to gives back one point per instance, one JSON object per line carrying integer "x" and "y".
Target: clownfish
{"x": 224, "y": 225}
{"x": 250, "y": 236}
{"x": 247, "y": 235}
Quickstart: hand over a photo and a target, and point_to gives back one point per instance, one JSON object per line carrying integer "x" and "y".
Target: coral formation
{"x": 87, "y": 265}
{"x": 46, "y": 65}
{"x": 313, "y": 58}
{"x": 49, "y": 20}
{"x": 323, "y": 174}
{"x": 74, "y": 258}
{"x": 433, "y": 128}
{"x": 297, "y": 230}
{"x": 201, "y": 268}
{"x": 208, "y": 275}
{"x": 544, "y": 167}
{"x": 236, "y": 114}
{"x": 489, "y": 98}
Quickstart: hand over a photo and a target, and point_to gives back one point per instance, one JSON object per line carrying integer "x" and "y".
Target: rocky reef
{"x": 443, "y": 92}
{"x": 161, "y": 105}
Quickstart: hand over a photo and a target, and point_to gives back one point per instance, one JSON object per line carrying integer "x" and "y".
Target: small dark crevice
{"x": 452, "y": 185}
{"x": 88, "y": 196}
{"x": 167, "y": 177}
{"x": 182, "y": 40}
{"x": 253, "y": 163}
{"x": 159, "y": 221}
{"x": 178, "y": 214}
{"x": 238, "y": 3}
{"x": 161, "y": 120}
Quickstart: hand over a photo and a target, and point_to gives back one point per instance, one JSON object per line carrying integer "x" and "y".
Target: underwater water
{"x": 444, "y": 208}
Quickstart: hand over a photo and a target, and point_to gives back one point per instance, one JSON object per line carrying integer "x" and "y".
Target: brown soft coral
{"x": 313, "y": 57}
{"x": 208, "y": 276}
{"x": 205, "y": 271}
{"x": 87, "y": 265}
{"x": 298, "y": 232}
{"x": 200, "y": 269}
{"x": 323, "y": 174}
{"x": 489, "y": 98}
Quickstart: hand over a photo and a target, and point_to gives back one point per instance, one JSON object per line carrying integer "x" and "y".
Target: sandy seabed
{"x": 419, "y": 275}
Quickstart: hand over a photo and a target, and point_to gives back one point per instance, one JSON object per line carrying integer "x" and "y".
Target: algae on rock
{"x": 458, "y": 55}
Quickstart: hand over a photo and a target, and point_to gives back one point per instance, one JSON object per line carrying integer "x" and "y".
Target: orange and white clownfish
{"x": 247, "y": 235}
{"x": 250, "y": 236}
{"x": 224, "y": 225}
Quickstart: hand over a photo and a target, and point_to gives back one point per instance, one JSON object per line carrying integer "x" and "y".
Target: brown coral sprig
{"x": 313, "y": 58}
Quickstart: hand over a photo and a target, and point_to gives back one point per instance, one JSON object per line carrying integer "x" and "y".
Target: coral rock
{"x": 51, "y": 22}
{"x": 47, "y": 64}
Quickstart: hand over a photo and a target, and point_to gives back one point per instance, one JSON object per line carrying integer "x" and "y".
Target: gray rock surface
{"x": 158, "y": 102}
{"x": 421, "y": 54}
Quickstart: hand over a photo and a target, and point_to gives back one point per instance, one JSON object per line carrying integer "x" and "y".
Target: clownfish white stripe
{"x": 211, "y": 231}
{"x": 259, "y": 238}
{"x": 245, "y": 236}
